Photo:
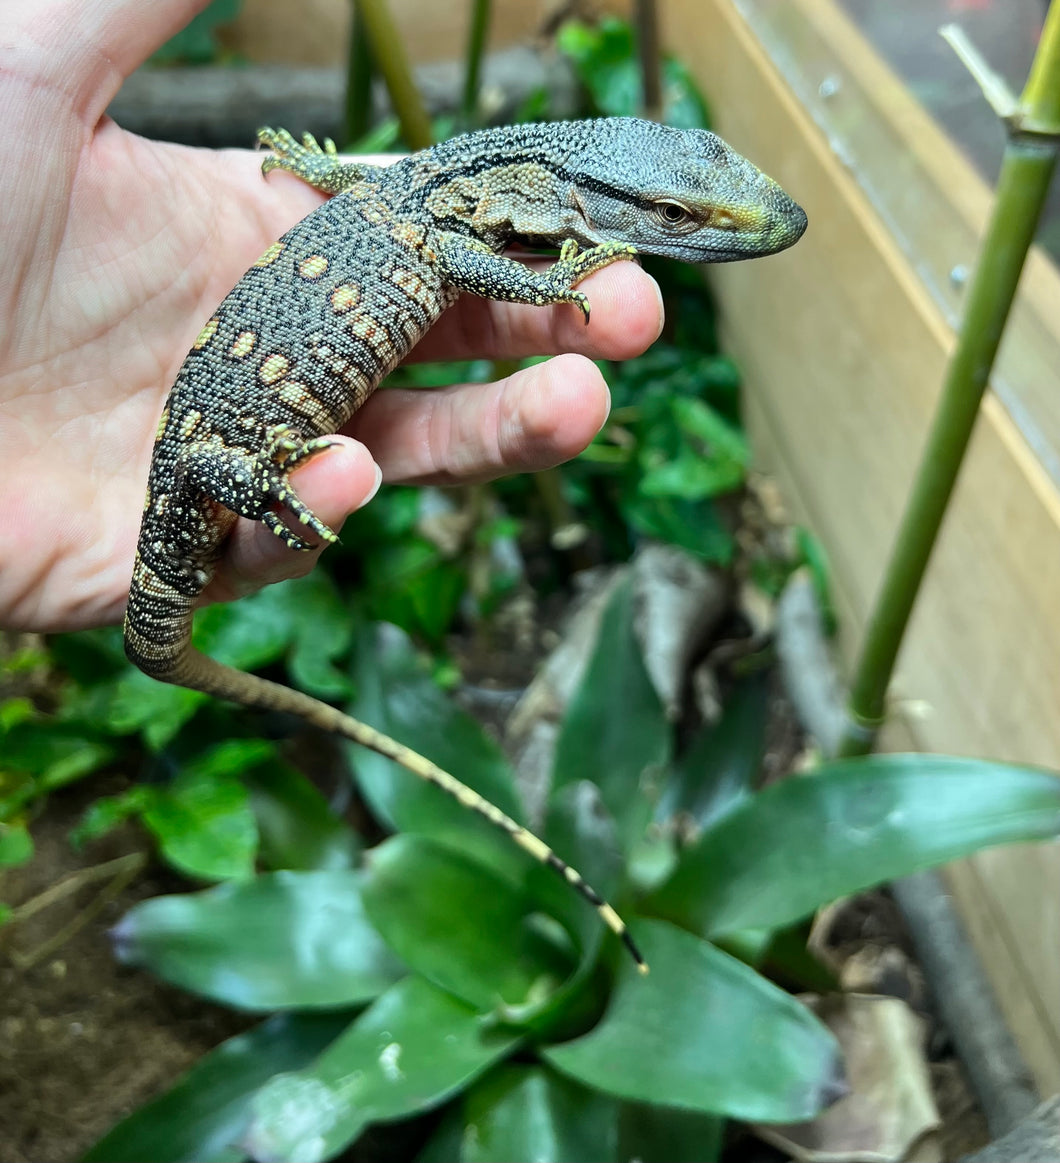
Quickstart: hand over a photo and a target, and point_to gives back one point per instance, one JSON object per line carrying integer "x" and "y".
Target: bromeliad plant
{"x": 445, "y": 970}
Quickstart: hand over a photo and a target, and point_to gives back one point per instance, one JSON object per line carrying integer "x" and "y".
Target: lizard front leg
{"x": 250, "y": 483}
{"x": 470, "y": 265}
{"x": 322, "y": 168}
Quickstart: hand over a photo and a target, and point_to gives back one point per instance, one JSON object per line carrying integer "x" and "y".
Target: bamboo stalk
{"x": 648, "y": 52}
{"x": 358, "y": 117}
{"x": 1029, "y": 161}
{"x": 481, "y": 12}
{"x": 389, "y": 56}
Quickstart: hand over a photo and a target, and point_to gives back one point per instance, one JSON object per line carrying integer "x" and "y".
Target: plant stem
{"x": 1028, "y": 164}
{"x": 481, "y": 11}
{"x": 358, "y": 81}
{"x": 389, "y": 56}
{"x": 648, "y": 51}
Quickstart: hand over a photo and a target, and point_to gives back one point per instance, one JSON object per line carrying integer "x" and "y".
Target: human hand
{"x": 118, "y": 248}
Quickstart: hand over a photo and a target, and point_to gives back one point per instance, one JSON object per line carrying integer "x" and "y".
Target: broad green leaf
{"x": 283, "y": 940}
{"x": 396, "y": 695}
{"x": 227, "y": 758}
{"x": 297, "y": 827}
{"x": 16, "y": 845}
{"x": 322, "y": 631}
{"x": 103, "y": 815}
{"x": 444, "y": 1144}
{"x": 711, "y": 459}
{"x": 249, "y": 633}
{"x": 692, "y": 525}
{"x": 849, "y": 825}
{"x": 197, "y": 42}
{"x": 615, "y": 732}
{"x": 137, "y": 702}
{"x": 457, "y": 923}
{"x": 204, "y": 825}
{"x": 580, "y": 830}
{"x": 410, "y": 1051}
{"x": 202, "y": 1117}
{"x": 528, "y": 1112}
{"x": 412, "y": 584}
{"x": 719, "y": 767}
{"x": 659, "y": 1134}
{"x": 705, "y": 1033}
{"x": 53, "y": 752}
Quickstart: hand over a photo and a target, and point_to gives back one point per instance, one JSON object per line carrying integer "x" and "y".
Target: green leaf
{"x": 411, "y": 584}
{"x": 410, "y": 1051}
{"x": 849, "y": 825}
{"x": 196, "y": 42}
{"x": 250, "y": 633}
{"x": 720, "y": 765}
{"x": 454, "y": 921}
{"x": 528, "y": 1112}
{"x": 53, "y": 752}
{"x": 705, "y": 1033}
{"x": 204, "y": 825}
{"x": 137, "y": 702}
{"x": 16, "y": 845}
{"x": 297, "y": 827}
{"x": 106, "y": 813}
{"x": 711, "y": 459}
{"x": 580, "y": 830}
{"x": 615, "y": 732}
{"x": 282, "y": 940}
{"x": 657, "y": 1134}
{"x": 692, "y": 525}
{"x": 202, "y": 1117}
{"x": 396, "y": 695}
{"x": 322, "y": 629}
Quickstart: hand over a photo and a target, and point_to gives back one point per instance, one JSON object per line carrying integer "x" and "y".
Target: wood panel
{"x": 843, "y": 349}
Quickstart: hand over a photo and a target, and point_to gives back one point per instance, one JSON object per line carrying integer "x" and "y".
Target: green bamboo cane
{"x": 648, "y": 52}
{"x": 358, "y": 82}
{"x": 1029, "y": 160}
{"x": 389, "y": 56}
{"x": 481, "y": 11}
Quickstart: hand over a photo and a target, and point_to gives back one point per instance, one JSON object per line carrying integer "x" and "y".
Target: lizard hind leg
{"x": 251, "y": 484}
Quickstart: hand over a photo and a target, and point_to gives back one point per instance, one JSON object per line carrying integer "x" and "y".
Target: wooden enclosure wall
{"x": 843, "y": 350}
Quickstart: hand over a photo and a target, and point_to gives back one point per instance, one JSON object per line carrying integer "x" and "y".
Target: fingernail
{"x": 662, "y": 306}
{"x": 375, "y": 487}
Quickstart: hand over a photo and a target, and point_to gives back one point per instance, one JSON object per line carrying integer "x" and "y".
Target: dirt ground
{"x": 84, "y": 1041}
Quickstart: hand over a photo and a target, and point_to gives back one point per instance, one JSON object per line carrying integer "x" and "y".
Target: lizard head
{"x": 682, "y": 193}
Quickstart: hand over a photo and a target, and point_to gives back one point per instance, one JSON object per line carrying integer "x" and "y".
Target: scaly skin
{"x": 331, "y": 308}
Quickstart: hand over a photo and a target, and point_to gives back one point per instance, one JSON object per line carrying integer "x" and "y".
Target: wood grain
{"x": 843, "y": 342}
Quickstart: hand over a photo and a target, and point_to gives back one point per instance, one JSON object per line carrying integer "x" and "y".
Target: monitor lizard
{"x": 330, "y": 309}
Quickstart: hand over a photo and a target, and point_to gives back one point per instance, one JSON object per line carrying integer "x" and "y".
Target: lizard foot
{"x": 286, "y": 451}
{"x": 251, "y": 482}
{"x": 318, "y": 165}
{"x": 575, "y": 264}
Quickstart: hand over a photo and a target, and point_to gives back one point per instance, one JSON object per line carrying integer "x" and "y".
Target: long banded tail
{"x": 192, "y": 669}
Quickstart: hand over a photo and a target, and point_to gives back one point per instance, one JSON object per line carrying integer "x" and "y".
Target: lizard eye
{"x": 672, "y": 214}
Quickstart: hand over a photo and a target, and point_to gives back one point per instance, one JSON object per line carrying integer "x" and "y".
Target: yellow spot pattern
{"x": 344, "y": 298}
{"x": 374, "y": 335}
{"x": 271, "y": 255}
{"x": 313, "y": 266}
{"x": 274, "y": 368}
{"x": 163, "y": 420}
{"x": 190, "y": 423}
{"x": 243, "y": 345}
{"x": 206, "y": 334}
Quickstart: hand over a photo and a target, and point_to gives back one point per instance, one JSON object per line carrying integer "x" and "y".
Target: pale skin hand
{"x": 115, "y": 251}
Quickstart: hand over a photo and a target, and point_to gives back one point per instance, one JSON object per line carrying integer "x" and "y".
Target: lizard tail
{"x": 188, "y": 667}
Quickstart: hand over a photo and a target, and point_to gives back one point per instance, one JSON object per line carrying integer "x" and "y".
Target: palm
{"x": 117, "y": 248}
